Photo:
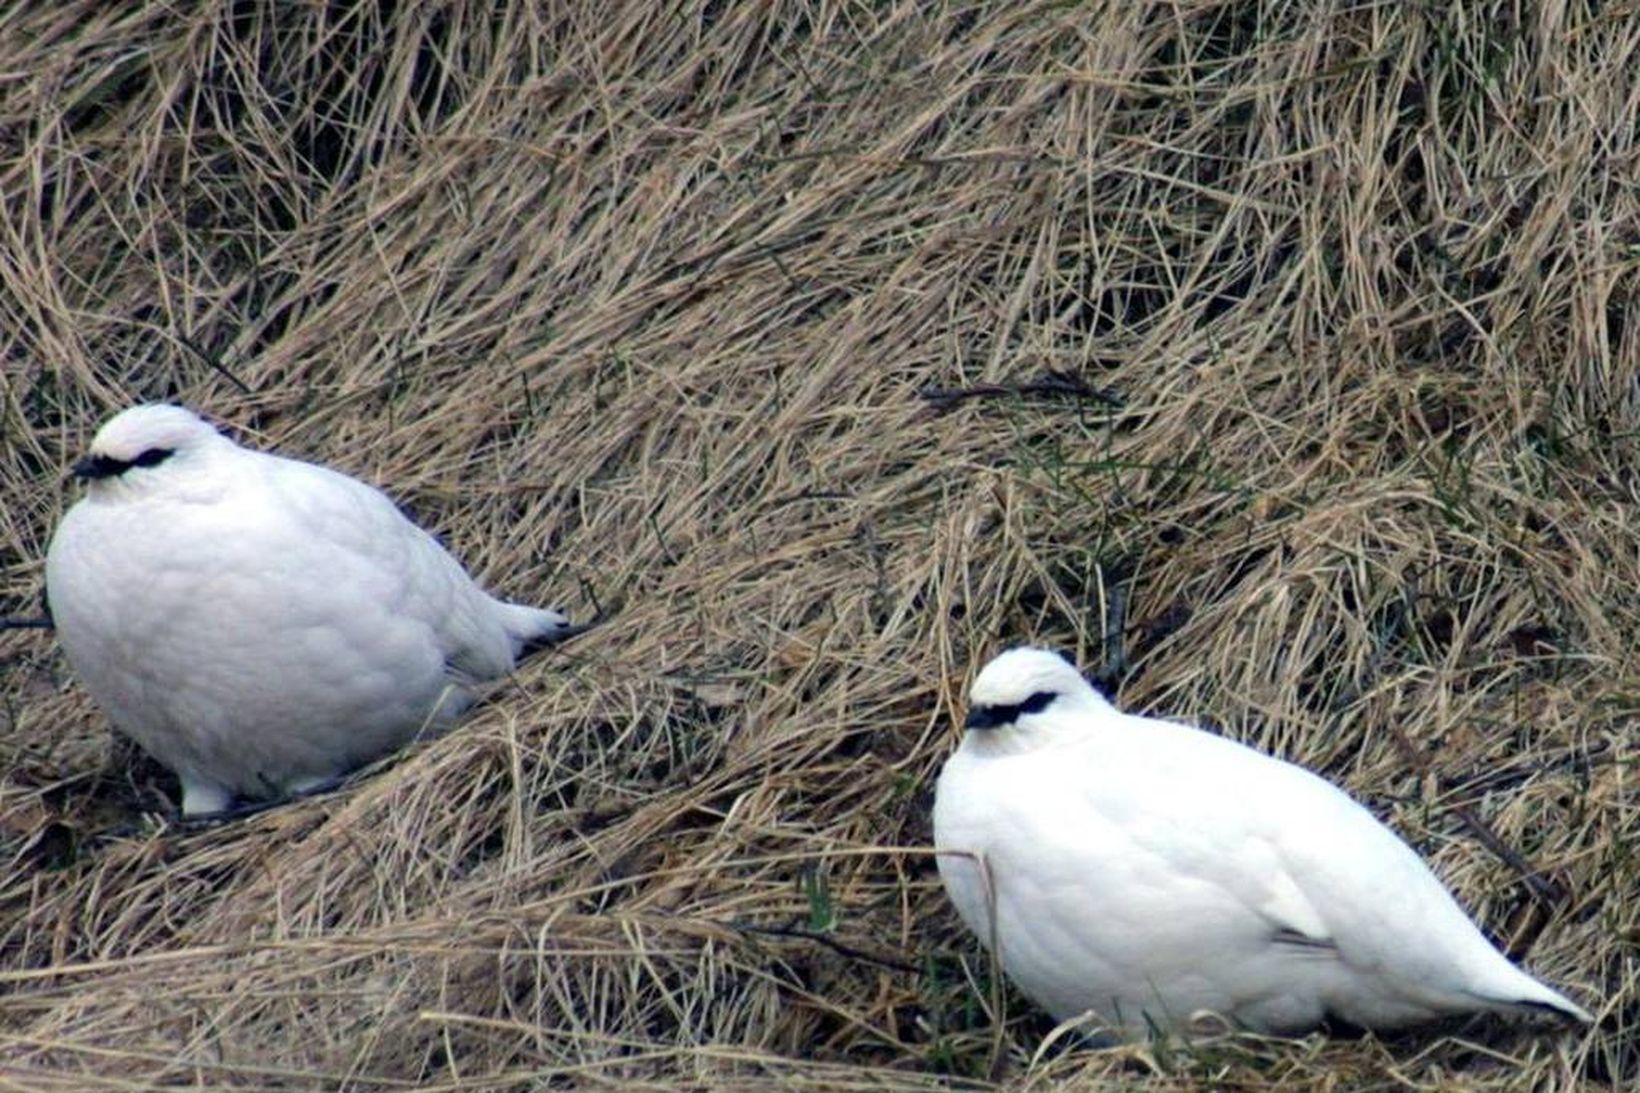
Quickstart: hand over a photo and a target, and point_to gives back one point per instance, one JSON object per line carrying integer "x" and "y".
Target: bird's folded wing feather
{"x": 1275, "y": 838}
{"x": 421, "y": 580}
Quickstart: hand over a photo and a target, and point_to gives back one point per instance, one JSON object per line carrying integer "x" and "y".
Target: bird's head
{"x": 1021, "y": 699}
{"x": 146, "y": 445}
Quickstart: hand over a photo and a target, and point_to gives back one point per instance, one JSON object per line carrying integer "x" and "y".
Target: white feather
{"x": 1148, "y": 871}
{"x": 258, "y": 624}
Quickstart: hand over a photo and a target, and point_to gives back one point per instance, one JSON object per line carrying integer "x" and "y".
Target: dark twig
{"x": 841, "y": 947}
{"x": 1052, "y": 385}
{"x": 1543, "y": 888}
{"x": 213, "y": 364}
{"x": 592, "y": 596}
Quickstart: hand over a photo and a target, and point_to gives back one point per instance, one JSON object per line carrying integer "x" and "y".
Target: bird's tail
{"x": 537, "y": 628}
{"x": 1551, "y": 1002}
{"x": 1524, "y": 995}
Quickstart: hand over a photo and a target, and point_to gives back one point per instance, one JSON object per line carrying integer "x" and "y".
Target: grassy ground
{"x": 1277, "y": 360}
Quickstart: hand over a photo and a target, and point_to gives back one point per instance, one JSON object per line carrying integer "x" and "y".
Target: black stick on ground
{"x": 1052, "y": 385}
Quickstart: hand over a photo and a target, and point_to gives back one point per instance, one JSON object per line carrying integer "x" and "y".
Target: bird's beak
{"x": 981, "y": 717}
{"x": 95, "y": 466}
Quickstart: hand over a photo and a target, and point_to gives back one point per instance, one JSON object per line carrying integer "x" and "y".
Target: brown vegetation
{"x": 1275, "y": 360}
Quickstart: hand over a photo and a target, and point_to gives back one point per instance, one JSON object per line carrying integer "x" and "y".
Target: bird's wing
{"x": 1265, "y": 835}
{"x": 410, "y": 571}
{"x": 1295, "y": 848}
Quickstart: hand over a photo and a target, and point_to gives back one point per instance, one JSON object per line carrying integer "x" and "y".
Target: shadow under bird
{"x": 1150, "y": 873}
{"x": 261, "y": 625}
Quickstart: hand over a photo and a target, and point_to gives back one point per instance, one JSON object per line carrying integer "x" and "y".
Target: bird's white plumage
{"x": 261, "y": 625}
{"x": 1149, "y": 872}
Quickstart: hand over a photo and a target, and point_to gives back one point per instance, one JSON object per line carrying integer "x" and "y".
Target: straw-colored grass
{"x": 741, "y": 325}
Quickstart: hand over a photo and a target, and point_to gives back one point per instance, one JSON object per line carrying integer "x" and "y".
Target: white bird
{"x": 1151, "y": 873}
{"x": 260, "y": 625}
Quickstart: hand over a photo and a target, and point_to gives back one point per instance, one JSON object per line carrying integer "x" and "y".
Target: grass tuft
{"x": 1278, "y": 361}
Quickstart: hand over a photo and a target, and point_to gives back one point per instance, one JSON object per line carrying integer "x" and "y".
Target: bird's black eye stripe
{"x": 106, "y": 466}
{"x": 1036, "y": 703}
{"x": 990, "y": 717}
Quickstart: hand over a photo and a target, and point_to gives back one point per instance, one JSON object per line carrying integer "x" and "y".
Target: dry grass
{"x": 639, "y": 308}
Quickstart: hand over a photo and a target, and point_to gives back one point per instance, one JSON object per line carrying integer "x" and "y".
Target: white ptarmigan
{"x": 1150, "y": 872}
{"x": 258, "y": 624}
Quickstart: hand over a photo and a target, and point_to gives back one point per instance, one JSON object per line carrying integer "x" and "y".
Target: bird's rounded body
{"x": 261, "y": 625}
{"x": 1149, "y": 872}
